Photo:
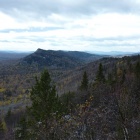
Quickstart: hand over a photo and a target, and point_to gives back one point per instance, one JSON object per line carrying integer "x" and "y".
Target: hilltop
{"x": 58, "y": 59}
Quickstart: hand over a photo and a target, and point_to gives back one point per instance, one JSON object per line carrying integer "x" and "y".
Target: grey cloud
{"x": 7, "y": 41}
{"x": 4, "y": 41}
{"x": 108, "y": 39}
{"x": 32, "y": 29}
{"x": 110, "y": 42}
{"x": 43, "y": 8}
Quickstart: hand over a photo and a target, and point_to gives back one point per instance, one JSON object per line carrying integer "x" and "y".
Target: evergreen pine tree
{"x": 137, "y": 72}
{"x": 100, "y": 76}
{"x": 45, "y": 107}
{"x": 110, "y": 78}
{"x": 44, "y": 99}
{"x": 84, "y": 82}
{"x": 22, "y": 130}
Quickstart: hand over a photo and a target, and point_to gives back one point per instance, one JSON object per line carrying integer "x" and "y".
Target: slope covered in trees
{"x": 106, "y": 107}
{"x": 58, "y": 59}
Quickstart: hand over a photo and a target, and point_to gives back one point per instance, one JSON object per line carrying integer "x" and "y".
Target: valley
{"x": 107, "y": 94}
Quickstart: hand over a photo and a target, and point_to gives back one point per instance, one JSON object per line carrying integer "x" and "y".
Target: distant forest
{"x": 94, "y": 100}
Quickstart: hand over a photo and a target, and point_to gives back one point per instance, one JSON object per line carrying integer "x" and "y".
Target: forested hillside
{"x": 24, "y": 70}
{"x": 58, "y": 59}
{"x": 95, "y": 101}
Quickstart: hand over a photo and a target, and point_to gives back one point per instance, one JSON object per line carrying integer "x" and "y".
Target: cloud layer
{"x": 44, "y": 8}
{"x": 87, "y": 25}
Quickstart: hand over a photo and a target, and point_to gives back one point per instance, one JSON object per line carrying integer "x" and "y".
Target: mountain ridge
{"x": 58, "y": 59}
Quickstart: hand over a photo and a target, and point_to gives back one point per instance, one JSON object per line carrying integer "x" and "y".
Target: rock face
{"x": 57, "y": 59}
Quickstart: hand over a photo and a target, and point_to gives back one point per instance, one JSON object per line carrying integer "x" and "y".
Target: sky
{"x": 82, "y": 25}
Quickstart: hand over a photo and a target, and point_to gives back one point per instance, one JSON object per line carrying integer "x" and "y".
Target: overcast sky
{"x": 84, "y": 25}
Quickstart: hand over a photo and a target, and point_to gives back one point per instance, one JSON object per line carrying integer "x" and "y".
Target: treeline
{"x": 107, "y": 108}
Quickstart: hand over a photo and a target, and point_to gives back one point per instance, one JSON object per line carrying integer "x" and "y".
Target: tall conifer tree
{"x": 100, "y": 76}
{"x": 84, "y": 82}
